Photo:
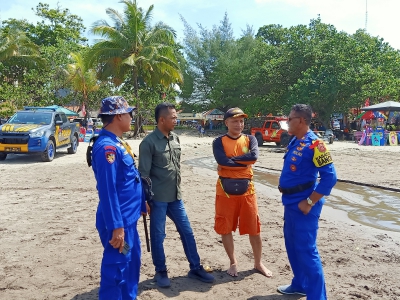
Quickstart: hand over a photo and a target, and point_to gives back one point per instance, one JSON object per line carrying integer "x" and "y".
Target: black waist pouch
{"x": 235, "y": 186}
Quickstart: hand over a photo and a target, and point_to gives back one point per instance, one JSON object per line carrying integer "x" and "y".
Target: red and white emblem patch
{"x": 110, "y": 156}
{"x": 293, "y": 168}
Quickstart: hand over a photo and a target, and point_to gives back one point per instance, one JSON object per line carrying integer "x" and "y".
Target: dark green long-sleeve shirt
{"x": 159, "y": 159}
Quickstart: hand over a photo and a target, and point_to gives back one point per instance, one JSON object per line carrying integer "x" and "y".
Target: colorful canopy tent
{"x": 66, "y": 111}
{"x": 385, "y": 106}
{"x": 368, "y": 115}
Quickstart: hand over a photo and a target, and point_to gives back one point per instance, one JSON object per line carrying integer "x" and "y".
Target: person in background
{"x": 321, "y": 127}
{"x": 90, "y": 123}
{"x": 159, "y": 164}
{"x": 202, "y": 131}
{"x": 121, "y": 202}
{"x": 84, "y": 123}
{"x": 235, "y": 208}
{"x": 303, "y": 199}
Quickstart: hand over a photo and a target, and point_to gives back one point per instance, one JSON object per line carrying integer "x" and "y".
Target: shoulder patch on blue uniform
{"x": 110, "y": 156}
{"x": 321, "y": 157}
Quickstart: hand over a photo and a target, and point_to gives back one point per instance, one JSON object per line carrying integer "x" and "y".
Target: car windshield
{"x": 41, "y": 118}
{"x": 284, "y": 125}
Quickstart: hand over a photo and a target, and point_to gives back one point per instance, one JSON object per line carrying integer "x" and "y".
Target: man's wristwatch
{"x": 310, "y": 202}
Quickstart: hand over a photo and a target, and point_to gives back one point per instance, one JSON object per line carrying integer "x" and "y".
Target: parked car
{"x": 273, "y": 130}
{"x": 38, "y": 130}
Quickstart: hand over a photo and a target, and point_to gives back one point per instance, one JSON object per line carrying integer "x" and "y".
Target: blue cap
{"x": 114, "y": 105}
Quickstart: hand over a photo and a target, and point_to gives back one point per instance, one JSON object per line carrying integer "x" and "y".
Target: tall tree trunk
{"x": 138, "y": 118}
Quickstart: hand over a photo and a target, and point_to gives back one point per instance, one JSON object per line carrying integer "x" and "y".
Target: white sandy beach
{"x": 50, "y": 249}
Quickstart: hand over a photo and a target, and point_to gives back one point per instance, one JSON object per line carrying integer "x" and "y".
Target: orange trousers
{"x": 237, "y": 211}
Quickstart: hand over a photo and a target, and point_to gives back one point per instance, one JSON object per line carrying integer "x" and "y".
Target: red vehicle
{"x": 273, "y": 130}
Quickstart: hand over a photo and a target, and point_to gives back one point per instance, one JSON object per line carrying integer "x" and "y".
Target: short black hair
{"x": 304, "y": 111}
{"x": 162, "y": 108}
{"x": 105, "y": 119}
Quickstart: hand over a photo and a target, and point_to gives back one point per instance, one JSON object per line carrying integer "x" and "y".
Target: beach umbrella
{"x": 359, "y": 116}
{"x": 368, "y": 115}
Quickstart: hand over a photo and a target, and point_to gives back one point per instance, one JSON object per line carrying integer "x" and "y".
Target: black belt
{"x": 296, "y": 189}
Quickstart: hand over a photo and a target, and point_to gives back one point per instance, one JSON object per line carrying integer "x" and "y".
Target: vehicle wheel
{"x": 50, "y": 151}
{"x": 331, "y": 140}
{"x": 259, "y": 140}
{"x": 285, "y": 139}
{"x": 74, "y": 145}
{"x": 3, "y": 156}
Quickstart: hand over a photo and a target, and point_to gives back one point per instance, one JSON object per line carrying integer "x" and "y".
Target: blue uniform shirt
{"x": 118, "y": 183}
{"x": 303, "y": 161}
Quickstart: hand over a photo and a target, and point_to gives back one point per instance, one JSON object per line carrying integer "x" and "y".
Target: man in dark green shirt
{"x": 159, "y": 162}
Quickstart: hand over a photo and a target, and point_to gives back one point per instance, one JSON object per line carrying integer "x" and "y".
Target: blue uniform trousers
{"x": 120, "y": 279}
{"x": 300, "y": 232}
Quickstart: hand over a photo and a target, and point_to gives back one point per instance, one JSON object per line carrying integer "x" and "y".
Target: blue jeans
{"x": 176, "y": 212}
{"x": 300, "y": 232}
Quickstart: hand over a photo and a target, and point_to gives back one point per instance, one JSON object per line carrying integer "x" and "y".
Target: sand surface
{"x": 50, "y": 249}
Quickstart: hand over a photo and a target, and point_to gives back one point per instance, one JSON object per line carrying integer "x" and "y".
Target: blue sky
{"x": 345, "y": 15}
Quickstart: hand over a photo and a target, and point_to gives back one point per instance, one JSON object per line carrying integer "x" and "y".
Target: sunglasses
{"x": 131, "y": 113}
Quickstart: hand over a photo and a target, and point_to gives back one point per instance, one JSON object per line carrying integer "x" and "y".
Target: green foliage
{"x": 35, "y": 72}
{"x": 17, "y": 54}
{"x": 232, "y": 75}
{"x": 202, "y": 51}
{"x": 136, "y": 56}
{"x": 80, "y": 76}
{"x": 48, "y": 63}
{"x": 56, "y": 24}
{"x": 133, "y": 52}
{"x": 332, "y": 71}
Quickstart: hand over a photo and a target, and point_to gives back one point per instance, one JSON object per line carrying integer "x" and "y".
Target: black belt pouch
{"x": 235, "y": 186}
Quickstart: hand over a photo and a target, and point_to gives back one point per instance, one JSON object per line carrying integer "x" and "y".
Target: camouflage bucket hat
{"x": 114, "y": 105}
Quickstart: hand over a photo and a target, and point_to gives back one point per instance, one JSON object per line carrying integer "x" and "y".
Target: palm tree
{"x": 132, "y": 51}
{"x": 81, "y": 77}
{"x": 19, "y": 52}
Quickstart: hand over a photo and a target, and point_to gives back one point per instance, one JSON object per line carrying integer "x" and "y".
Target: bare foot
{"x": 232, "y": 270}
{"x": 263, "y": 270}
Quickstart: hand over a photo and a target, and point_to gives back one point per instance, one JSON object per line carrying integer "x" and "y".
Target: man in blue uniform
{"x": 302, "y": 197}
{"x": 121, "y": 202}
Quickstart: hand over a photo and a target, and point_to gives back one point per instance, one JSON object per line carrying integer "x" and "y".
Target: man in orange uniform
{"x": 236, "y": 201}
